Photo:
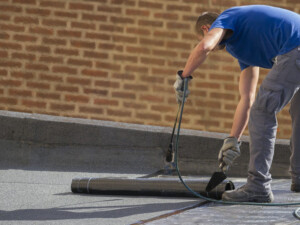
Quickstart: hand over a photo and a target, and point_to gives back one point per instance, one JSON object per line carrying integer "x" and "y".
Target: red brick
{"x": 64, "y": 69}
{"x": 122, "y": 94}
{"x": 54, "y": 23}
{"x": 178, "y": 26}
{"x": 138, "y": 50}
{"x": 221, "y": 77}
{"x": 178, "y": 45}
{"x": 183, "y": 8}
{"x": 20, "y": 93}
{"x": 10, "y": 8}
{"x": 123, "y": 76}
{"x": 80, "y": 81}
{"x": 10, "y": 64}
{"x": 66, "y": 88}
{"x": 208, "y": 123}
{"x": 35, "y": 66}
{"x": 98, "y": 36}
{"x": 69, "y": 33}
{"x": 96, "y": 55}
{"x": 152, "y": 98}
{"x": 94, "y": 73}
{"x": 62, "y": 107}
{"x": 66, "y": 14}
{"x": 26, "y": 20}
{"x": 148, "y": 116}
{"x": 41, "y": 30}
{"x": 54, "y": 4}
{"x": 66, "y": 51}
{"x": 164, "y": 53}
{"x": 22, "y": 74}
{"x": 133, "y": 105}
{"x": 38, "y": 11}
{"x": 10, "y": 45}
{"x": 165, "y": 34}
{"x": 148, "y": 4}
{"x": 92, "y": 110}
{"x": 109, "y": 9}
{"x": 51, "y": 59}
{"x": 95, "y": 91}
{"x": 38, "y": 85}
{"x": 117, "y": 19}
{"x": 107, "y": 84}
{"x": 109, "y": 27}
{"x": 166, "y": 16}
{"x": 48, "y": 95}
{"x": 123, "y": 2}
{"x": 151, "y": 23}
{"x": 105, "y": 101}
{"x": 124, "y": 39}
{"x": 125, "y": 58}
{"x": 118, "y": 112}
{"x": 3, "y": 72}
{"x": 137, "y": 69}
{"x": 50, "y": 77}
{"x": 34, "y": 104}
{"x": 83, "y": 25}
{"x": 162, "y": 108}
{"x": 93, "y": 17}
{"x": 4, "y": 17}
{"x": 81, "y": 6}
{"x": 79, "y": 62}
{"x": 109, "y": 66}
{"x": 3, "y": 54}
{"x": 4, "y": 36}
{"x": 137, "y": 12}
{"x": 8, "y": 101}
{"x": 83, "y": 44}
{"x": 136, "y": 87}
{"x": 224, "y": 96}
{"x": 11, "y": 27}
{"x": 209, "y": 85}
{"x": 152, "y": 61}
{"x": 25, "y": 38}
{"x": 38, "y": 48}
{"x": 149, "y": 41}
{"x": 138, "y": 31}
{"x": 151, "y": 79}
{"x": 77, "y": 98}
{"x": 110, "y": 46}
{"x": 14, "y": 83}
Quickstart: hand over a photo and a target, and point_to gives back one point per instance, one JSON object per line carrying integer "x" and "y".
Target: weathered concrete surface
{"x": 45, "y": 198}
{"x": 69, "y": 144}
{"x": 211, "y": 213}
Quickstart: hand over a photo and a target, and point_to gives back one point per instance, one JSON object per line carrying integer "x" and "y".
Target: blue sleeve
{"x": 243, "y": 65}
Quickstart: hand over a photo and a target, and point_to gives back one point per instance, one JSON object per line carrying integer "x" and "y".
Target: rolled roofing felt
{"x": 147, "y": 186}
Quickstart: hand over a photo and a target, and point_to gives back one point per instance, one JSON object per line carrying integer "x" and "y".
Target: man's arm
{"x": 247, "y": 88}
{"x": 200, "y": 52}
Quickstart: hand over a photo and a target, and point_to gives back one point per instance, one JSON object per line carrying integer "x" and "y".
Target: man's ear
{"x": 205, "y": 28}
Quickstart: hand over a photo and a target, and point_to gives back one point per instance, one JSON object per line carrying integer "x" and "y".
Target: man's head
{"x": 204, "y": 22}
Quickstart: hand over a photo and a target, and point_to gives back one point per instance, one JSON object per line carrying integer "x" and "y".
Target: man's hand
{"x": 229, "y": 152}
{"x": 178, "y": 86}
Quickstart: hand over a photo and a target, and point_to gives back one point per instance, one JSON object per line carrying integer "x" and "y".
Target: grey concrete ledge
{"x": 62, "y": 143}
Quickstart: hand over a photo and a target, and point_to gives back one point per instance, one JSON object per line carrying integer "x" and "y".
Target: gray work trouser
{"x": 279, "y": 87}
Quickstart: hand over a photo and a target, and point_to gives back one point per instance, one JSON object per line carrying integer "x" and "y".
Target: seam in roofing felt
{"x": 175, "y": 212}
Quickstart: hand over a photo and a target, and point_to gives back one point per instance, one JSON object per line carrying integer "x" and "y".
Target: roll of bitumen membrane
{"x": 147, "y": 186}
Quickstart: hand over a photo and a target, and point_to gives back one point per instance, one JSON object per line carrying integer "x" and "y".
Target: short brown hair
{"x": 204, "y": 19}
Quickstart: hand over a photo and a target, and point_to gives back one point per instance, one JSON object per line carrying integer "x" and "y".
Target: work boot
{"x": 243, "y": 195}
{"x": 295, "y": 186}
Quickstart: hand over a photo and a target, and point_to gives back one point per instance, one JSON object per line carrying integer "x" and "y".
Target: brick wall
{"x": 116, "y": 60}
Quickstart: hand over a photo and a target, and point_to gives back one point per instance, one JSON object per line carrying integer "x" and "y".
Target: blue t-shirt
{"x": 260, "y": 33}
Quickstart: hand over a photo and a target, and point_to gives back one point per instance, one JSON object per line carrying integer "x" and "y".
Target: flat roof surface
{"x": 44, "y": 197}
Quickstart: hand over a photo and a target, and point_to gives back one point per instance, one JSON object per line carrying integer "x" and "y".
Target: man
{"x": 258, "y": 36}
